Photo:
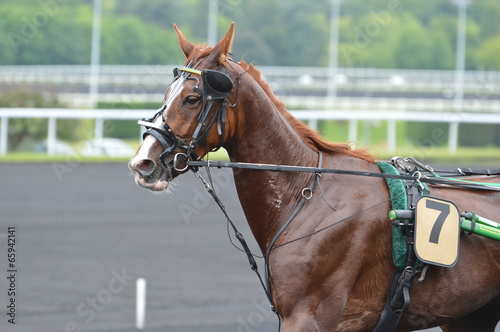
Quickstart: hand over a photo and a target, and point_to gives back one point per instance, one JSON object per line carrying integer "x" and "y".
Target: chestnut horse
{"x": 336, "y": 279}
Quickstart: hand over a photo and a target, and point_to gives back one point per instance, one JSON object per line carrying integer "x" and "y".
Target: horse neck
{"x": 265, "y": 136}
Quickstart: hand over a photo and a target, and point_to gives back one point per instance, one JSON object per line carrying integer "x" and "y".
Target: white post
{"x": 51, "y": 136}
{"x": 99, "y": 129}
{"x": 391, "y": 136}
{"x": 140, "y": 304}
{"x": 4, "y": 135}
{"x": 333, "y": 51}
{"x": 353, "y": 131}
{"x": 213, "y": 8}
{"x": 95, "y": 59}
{"x": 453, "y": 137}
{"x": 313, "y": 123}
{"x": 460, "y": 53}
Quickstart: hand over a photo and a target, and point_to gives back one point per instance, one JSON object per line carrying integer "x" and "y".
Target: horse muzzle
{"x": 150, "y": 174}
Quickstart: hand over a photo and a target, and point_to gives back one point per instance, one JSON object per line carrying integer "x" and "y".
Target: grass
{"x": 371, "y": 135}
{"x": 464, "y": 157}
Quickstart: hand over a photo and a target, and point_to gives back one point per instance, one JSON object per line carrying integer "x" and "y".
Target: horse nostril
{"x": 145, "y": 167}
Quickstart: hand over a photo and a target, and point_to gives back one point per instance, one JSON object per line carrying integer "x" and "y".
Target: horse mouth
{"x": 158, "y": 180}
{"x": 153, "y": 175}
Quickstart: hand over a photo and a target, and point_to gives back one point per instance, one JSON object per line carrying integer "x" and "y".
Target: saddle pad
{"x": 399, "y": 202}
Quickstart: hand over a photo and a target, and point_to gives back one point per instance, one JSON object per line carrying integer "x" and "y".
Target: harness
{"x": 404, "y": 196}
{"x": 398, "y": 293}
{"x": 403, "y": 220}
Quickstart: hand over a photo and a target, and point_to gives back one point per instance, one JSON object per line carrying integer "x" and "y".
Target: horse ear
{"x": 223, "y": 47}
{"x": 186, "y": 46}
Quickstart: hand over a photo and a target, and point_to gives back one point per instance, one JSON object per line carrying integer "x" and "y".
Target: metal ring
{"x": 176, "y": 160}
{"x": 307, "y": 193}
{"x": 418, "y": 175}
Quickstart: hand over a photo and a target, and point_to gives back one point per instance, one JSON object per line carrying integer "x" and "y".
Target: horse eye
{"x": 191, "y": 100}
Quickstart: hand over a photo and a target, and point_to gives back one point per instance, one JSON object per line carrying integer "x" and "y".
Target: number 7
{"x": 438, "y": 224}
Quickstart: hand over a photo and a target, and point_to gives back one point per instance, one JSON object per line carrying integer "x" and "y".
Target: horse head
{"x": 193, "y": 118}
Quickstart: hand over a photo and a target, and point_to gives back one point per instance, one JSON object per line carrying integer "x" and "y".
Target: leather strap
{"x": 469, "y": 171}
{"x": 306, "y": 195}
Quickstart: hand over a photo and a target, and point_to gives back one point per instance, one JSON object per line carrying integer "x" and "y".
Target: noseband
{"x": 216, "y": 86}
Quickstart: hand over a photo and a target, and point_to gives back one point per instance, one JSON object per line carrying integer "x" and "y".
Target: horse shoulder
{"x": 345, "y": 266}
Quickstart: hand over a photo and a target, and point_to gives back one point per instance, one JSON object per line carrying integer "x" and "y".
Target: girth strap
{"x": 398, "y": 292}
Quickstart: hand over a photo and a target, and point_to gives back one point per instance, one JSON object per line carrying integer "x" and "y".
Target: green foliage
{"x": 130, "y": 105}
{"x": 34, "y": 34}
{"x": 479, "y": 135}
{"x": 46, "y": 32}
{"x": 379, "y": 33}
{"x": 21, "y": 130}
{"x": 488, "y": 54}
{"x": 127, "y": 40}
{"x": 427, "y": 134}
{"x": 333, "y": 131}
{"x": 126, "y": 129}
{"x": 413, "y": 49}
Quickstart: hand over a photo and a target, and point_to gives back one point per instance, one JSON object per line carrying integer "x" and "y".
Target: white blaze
{"x": 147, "y": 145}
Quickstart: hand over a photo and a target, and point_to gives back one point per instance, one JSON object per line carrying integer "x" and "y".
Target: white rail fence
{"x": 311, "y": 116}
{"x": 351, "y": 78}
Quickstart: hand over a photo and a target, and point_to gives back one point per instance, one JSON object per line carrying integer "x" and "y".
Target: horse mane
{"x": 309, "y": 136}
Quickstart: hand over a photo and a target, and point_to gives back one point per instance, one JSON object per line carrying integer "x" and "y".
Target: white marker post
{"x": 140, "y": 304}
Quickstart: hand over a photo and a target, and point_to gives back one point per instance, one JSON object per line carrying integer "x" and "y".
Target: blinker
{"x": 216, "y": 83}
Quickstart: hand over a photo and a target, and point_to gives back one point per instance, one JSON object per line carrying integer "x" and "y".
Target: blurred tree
{"x": 473, "y": 42}
{"x": 288, "y": 36}
{"x": 127, "y": 40}
{"x": 20, "y": 129}
{"x": 488, "y": 55}
{"x": 442, "y": 53}
{"x": 414, "y": 49}
{"x": 443, "y": 31}
{"x": 381, "y": 33}
{"x": 486, "y": 13}
{"x": 35, "y": 36}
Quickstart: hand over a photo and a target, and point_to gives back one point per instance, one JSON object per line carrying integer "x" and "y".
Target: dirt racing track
{"x": 85, "y": 232}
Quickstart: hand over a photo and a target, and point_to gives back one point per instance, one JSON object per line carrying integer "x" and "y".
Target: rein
{"x": 416, "y": 176}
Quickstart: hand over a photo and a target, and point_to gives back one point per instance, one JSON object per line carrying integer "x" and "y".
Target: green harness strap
{"x": 399, "y": 201}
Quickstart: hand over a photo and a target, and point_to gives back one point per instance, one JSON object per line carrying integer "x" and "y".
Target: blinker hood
{"x": 216, "y": 85}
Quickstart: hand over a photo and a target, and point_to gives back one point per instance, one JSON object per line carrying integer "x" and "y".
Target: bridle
{"x": 216, "y": 87}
